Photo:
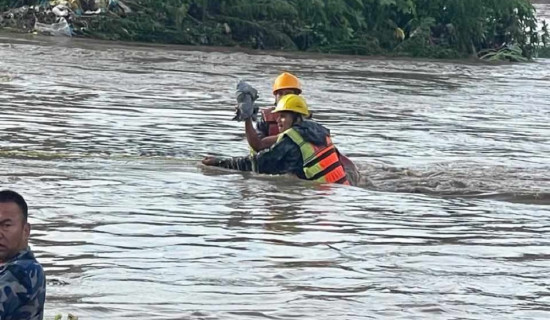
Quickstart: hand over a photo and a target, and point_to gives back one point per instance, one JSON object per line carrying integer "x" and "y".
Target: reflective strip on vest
{"x": 321, "y": 163}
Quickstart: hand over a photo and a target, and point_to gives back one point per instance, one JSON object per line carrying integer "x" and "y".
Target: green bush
{"x": 420, "y": 28}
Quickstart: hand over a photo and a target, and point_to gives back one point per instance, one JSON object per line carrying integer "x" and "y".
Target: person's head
{"x": 14, "y": 228}
{"x": 291, "y": 109}
{"x": 286, "y": 83}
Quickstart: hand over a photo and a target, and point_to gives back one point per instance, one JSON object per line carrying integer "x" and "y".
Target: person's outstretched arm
{"x": 283, "y": 157}
{"x": 236, "y": 163}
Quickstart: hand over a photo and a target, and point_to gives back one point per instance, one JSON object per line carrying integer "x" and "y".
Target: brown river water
{"x": 104, "y": 140}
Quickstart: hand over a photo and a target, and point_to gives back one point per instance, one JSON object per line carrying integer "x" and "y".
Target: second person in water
{"x": 266, "y": 131}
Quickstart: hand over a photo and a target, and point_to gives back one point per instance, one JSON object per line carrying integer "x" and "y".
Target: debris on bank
{"x": 500, "y": 35}
{"x": 59, "y": 17}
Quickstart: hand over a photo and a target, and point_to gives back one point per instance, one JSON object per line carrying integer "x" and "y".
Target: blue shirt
{"x": 23, "y": 288}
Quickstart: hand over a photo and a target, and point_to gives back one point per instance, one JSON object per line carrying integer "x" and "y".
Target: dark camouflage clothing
{"x": 23, "y": 288}
{"x": 283, "y": 157}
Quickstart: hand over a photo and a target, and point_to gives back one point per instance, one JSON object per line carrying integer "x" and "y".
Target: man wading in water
{"x": 303, "y": 148}
{"x": 22, "y": 281}
{"x": 267, "y": 130}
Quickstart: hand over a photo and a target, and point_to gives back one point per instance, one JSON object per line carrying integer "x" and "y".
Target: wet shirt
{"x": 23, "y": 286}
{"x": 283, "y": 157}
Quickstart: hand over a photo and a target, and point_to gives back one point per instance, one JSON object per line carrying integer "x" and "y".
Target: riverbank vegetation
{"x": 496, "y": 29}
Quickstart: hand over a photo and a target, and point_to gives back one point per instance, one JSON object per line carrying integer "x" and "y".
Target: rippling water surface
{"x": 451, "y": 222}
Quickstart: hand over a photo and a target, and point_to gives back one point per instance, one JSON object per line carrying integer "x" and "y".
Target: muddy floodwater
{"x": 452, "y": 221}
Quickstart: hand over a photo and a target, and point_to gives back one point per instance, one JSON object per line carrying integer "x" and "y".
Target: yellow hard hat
{"x": 287, "y": 81}
{"x": 293, "y": 103}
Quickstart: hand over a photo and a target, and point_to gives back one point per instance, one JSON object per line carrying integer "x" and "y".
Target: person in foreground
{"x": 303, "y": 148}
{"x": 22, "y": 281}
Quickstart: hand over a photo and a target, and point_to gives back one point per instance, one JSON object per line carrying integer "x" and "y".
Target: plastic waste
{"x": 21, "y": 11}
{"x": 61, "y": 28}
{"x": 60, "y": 10}
{"x": 73, "y": 4}
{"x": 113, "y": 5}
{"x": 90, "y": 12}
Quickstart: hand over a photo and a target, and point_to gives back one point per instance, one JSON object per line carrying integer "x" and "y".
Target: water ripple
{"x": 103, "y": 139}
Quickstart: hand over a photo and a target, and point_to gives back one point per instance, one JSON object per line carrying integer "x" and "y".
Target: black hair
{"x": 12, "y": 196}
{"x": 295, "y": 117}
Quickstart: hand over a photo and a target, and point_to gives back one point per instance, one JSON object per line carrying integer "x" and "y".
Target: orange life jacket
{"x": 321, "y": 163}
{"x": 271, "y": 121}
